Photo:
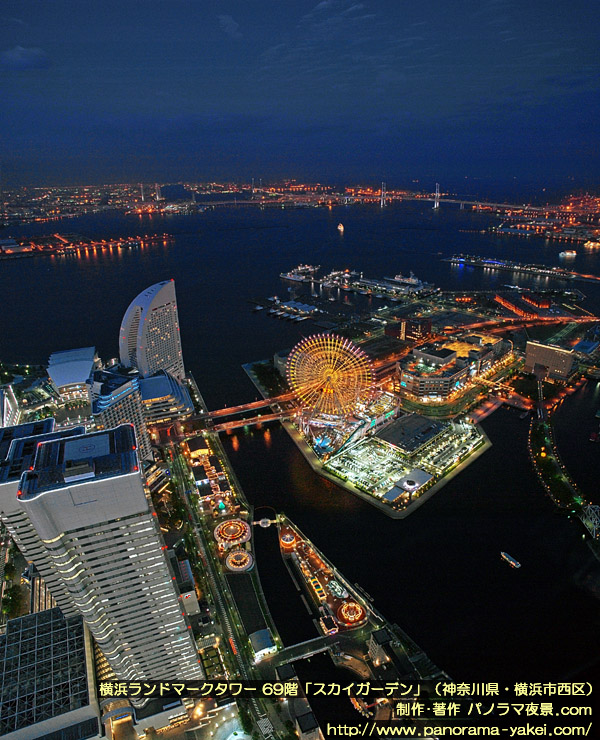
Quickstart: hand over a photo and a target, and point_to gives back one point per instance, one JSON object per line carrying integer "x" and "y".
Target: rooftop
{"x": 307, "y": 722}
{"x": 8, "y": 434}
{"x": 43, "y": 670}
{"x": 98, "y": 455}
{"x": 22, "y": 451}
{"x": 162, "y": 385}
{"x": 411, "y": 432}
{"x": 261, "y": 640}
{"x": 71, "y": 366}
{"x": 409, "y": 483}
{"x": 586, "y": 346}
{"x": 112, "y": 379}
{"x": 443, "y": 353}
{"x": 553, "y": 347}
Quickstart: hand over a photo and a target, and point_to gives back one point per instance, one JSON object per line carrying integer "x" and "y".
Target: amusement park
{"x": 351, "y": 429}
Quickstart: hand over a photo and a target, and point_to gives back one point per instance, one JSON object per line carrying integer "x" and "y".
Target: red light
{"x": 135, "y": 467}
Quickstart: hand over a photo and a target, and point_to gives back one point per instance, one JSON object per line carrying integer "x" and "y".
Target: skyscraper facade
{"x": 116, "y": 399}
{"x": 88, "y": 504}
{"x": 149, "y": 337}
{"x": 18, "y": 446}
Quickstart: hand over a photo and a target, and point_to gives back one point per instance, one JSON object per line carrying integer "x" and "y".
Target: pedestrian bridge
{"x": 304, "y": 650}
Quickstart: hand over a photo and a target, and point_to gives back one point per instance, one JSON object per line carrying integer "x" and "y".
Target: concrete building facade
{"x": 559, "y": 362}
{"x": 90, "y": 509}
{"x": 18, "y": 446}
{"x": 149, "y": 337}
{"x": 165, "y": 399}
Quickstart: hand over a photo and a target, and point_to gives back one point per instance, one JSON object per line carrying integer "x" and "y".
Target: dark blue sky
{"x": 337, "y": 90}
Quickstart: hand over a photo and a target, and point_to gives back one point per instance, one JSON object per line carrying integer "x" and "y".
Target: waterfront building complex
{"x": 69, "y": 371}
{"x": 86, "y": 500}
{"x": 438, "y": 370}
{"x": 149, "y": 337}
{"x": 116, "y": 399}
{"x": 164, "y": 398}
{"x": 555, "y": 361}
{"x": 405, "y": 458}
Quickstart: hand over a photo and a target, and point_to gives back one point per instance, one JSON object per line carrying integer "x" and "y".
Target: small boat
{"x": 593, "y": 436}
{"x": 510, "y": 560}
{"x": 340, "y": 228}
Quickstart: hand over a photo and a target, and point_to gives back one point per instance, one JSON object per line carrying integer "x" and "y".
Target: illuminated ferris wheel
{"x": 329, "y": 374}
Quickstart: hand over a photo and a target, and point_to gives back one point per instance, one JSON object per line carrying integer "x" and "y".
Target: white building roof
{"x": 71, "y": 366}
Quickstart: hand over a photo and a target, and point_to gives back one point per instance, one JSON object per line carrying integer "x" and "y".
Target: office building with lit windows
{"x": 149, "y": 337}
{"x": 87, "y": 502}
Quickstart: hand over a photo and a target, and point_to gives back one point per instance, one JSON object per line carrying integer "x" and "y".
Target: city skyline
{"x": 411, "y": 376}
{"x": 332, "y": 89}
{"x": 367, "y": 502}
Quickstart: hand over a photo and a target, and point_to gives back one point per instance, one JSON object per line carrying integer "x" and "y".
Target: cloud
{"x": 21, "y": 58}
{"x": 229, "y": 26}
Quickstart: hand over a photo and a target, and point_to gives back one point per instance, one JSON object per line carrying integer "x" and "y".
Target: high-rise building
{"x": 149, "y": 338}
{"x": 18, "y": 446}
{"x": 116, "y": 400}
{"x": 88, "y": 504}
{"x": 9, "y": 407}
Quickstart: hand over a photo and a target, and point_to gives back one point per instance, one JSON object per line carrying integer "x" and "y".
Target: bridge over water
{"x": 305, "y": 649}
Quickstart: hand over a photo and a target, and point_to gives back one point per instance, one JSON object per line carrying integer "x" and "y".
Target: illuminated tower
{"x": 158, "y": 192}
{"x": 149, "y": 338}
{"x": 436, "y": 201}
{"x": 383, "y": 195}
{"x": 87, "y": 502}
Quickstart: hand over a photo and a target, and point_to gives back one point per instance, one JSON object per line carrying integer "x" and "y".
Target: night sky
{"x": 502, "y": 91}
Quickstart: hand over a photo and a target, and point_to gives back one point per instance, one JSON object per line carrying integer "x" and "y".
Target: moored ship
{"x": 301, "y": 273}
{"x": 510, "y": 560}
